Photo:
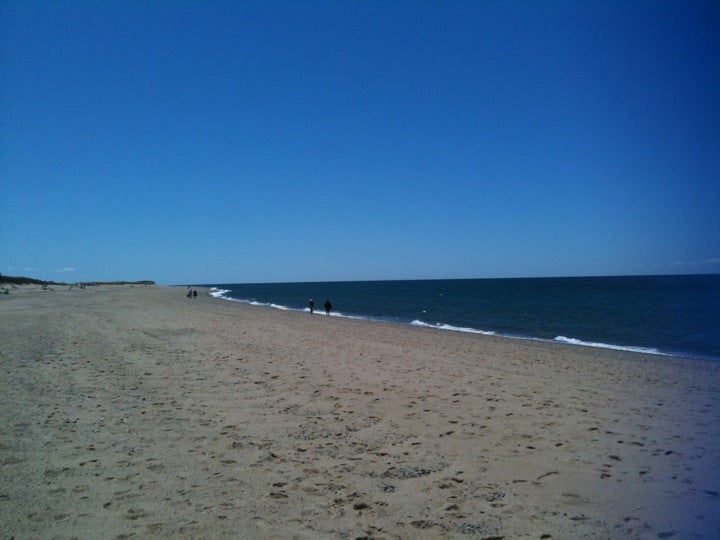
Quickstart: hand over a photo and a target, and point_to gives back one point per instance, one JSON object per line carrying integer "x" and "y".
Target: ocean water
{"x": 674, "y": 315}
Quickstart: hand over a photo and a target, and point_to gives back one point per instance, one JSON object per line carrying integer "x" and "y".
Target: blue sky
{"x": 209, "y": 142}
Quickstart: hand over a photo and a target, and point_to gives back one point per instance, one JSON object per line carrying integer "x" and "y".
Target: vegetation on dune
{"x": 22, "y": 280}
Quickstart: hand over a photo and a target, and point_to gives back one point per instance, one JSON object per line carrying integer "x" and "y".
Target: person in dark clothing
{"x": 328, "y": 307}
{"x": 311, "y": 305}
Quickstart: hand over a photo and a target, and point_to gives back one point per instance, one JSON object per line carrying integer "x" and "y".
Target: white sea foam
{"x": 220, "y": 293}
{"x": 559, "y": 339}
{"x": 450, "y": 327}
{"x": 266, "y": 304}
{"x": 573, "y": 341}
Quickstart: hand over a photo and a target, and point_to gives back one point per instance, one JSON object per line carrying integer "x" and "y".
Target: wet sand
{"x": 135, "y": 412}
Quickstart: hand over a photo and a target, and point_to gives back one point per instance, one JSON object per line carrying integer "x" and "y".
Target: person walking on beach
{"x": 311, "y": 305}
{"x": 328, "y": 307}
{"x": 194, "y": 293}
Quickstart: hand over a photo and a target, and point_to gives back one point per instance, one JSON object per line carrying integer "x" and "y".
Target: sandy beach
{"x": 135, "y": 412}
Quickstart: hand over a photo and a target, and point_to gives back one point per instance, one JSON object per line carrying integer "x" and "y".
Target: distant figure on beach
{"x": 328, "y": 307}
{"x": 194, "y": 293}
{"x": 311, "y": 305}
{"x": 189, "y": 293}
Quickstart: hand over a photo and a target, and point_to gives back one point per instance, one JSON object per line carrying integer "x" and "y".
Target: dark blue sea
{"x": 674, "y": 315}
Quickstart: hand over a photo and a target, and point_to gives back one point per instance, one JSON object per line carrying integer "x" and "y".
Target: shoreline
{"x": 218, "y": 294}
{"x": 137, "y": 412}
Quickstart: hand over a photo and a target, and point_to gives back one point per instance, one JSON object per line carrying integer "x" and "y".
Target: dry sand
{"x": 135, "y": 412}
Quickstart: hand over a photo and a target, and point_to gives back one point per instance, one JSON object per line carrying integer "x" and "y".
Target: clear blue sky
{"x": 199, "y": 142}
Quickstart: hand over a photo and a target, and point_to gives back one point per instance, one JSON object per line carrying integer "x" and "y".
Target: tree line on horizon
{"x": 23, "y": 280}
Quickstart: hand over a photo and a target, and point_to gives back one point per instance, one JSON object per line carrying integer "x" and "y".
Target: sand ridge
{"x": 135, "y": 412}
